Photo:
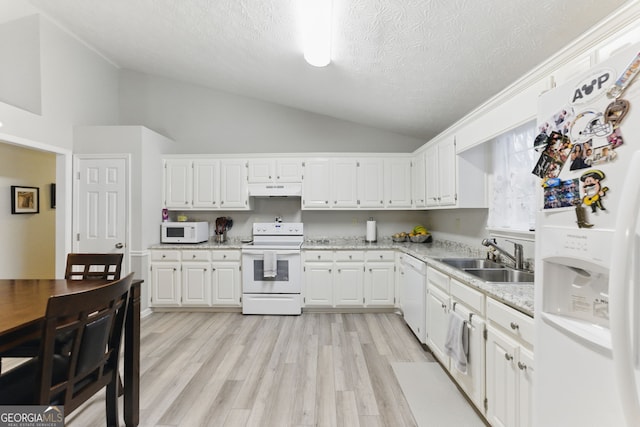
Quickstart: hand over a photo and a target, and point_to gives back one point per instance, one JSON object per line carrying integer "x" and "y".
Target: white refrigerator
{"x": 587, "y": 287}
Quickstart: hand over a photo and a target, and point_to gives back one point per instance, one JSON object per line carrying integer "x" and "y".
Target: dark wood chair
{"x": 93, "y": 266}
{"x": 93, "y": 321}
{"x": 80, "y": 266}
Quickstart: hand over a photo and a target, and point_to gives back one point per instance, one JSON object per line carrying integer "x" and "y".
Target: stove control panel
{"x": 278, "y": 228}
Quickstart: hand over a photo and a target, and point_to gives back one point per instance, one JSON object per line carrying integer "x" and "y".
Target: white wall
{"x": 28, "y": 240}
{"x": 203, "y": 120}
{"x": 77, "y": 86}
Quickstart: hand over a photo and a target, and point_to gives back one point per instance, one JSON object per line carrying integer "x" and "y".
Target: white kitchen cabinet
{"x": 379, "y": 281}
{"x": 316, "y": 184}
{"x": 233, "y": 184}
{"x": 510, "y": 365}
{"x": 371, "y": 183}
{"x": 206, "y": 183}
{"x": 318, "y": 284}
{"x": 195, "y": 278}
{"x": 275, "y": 170}
{"x": 344, "y": 192}
{"x": 348, "y": 283}
{"x": 413, "y": 293}
{"x": 397, "y": 179}
{"x": 178, "y": 183}
{"x": 165, "y": 278}
{"x": 437, "y": 320}
{"x": 440, "y": 160}
{"x": 419, "y": 180}
{"x": 196, "y": 284}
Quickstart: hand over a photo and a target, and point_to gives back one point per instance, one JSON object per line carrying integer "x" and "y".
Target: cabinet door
{"x": 318, "y": 281}
{"x": 397, "y": 176}
{"x": 501, "y": 374}
{"x": 379, "y": 284}
{"x": 316, "y": 185}
{"x": 196, "y": 284}
{"x": 226, "y": 284}
{"x": 525, "y": 388}
{"x": 233, "y": 184}
{"x": 371, "y": 183}
{"x": 432, "y": 191}
{"x": 261, "y": 170}
{"x": 178, "y": 183}
{"x": 206, "y": 183}
{"x": 447, "y": 172}
{"x": 437, "y": 322}
{"x": 289, "y": 170}
{"x": 345, "y": 185}
{"x": 165, "y": 284}
{"x": 419, "y": 179}
{"x": 348, "y": 284}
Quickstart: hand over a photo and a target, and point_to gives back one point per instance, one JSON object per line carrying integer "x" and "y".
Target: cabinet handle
{"x": 222, "y": 202}
{"x": 213, "y": 269}
{"x": 164, "y": 256}
{"x": 329, "y": 270}
{"x": 186, "y": 203}
{"x": 390, "y": 202}
{"x": 318, "y": 256}
{"x": 278, "y": 177}
{"x": 443, "y": 305}
{"x": 522, "y": 366}
{"x": 326, "y": 202}
{"x": 350, "y": 256}
{"x": 224, "y": 256}
{"x": 269, "y": 176}
{"x": 339, "y": 270}
{"x": 514, "y": 326}
{"x": 381, "y": 202}
{"x": 380, "y": 256}
{"x": 335, "y": 202}
{"x": 508, "y": 356}
{"x": 193, "y": 256}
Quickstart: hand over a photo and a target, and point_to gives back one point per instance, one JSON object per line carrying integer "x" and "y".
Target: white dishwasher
{"x": 414, "y": 292}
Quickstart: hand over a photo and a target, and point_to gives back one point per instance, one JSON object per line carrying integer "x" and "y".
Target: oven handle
{"x": 261, "y": 252}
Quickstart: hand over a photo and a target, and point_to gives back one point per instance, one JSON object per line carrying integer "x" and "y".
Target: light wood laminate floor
{"x": 226, "y": 369}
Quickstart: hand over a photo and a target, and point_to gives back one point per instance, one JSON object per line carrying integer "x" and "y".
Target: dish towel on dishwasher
{"x": 270, "y": 264}
{"x": 457, "y": 344}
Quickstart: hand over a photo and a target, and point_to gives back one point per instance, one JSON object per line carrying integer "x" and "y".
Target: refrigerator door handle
{"x": 620, "y": 282}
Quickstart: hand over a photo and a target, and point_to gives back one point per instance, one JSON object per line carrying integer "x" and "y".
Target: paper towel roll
{"x": 371, "y": 231}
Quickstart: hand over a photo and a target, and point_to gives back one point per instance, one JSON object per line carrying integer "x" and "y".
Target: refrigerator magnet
{"x": 592, "y": 189}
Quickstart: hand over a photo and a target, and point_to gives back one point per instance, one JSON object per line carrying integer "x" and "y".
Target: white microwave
{"x": 184, "y": 232}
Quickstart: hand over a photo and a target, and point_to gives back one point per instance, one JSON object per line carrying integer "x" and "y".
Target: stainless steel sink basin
{"x": 463, "y": 263}
{"x": 501, "y": 275}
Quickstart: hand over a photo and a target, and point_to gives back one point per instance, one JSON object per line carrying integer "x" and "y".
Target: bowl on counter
{"x": 420, "y": 238}
{"x": 399, "y": 239}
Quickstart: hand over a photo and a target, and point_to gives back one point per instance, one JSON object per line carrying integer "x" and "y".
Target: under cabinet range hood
{"x": 286, "y": 189}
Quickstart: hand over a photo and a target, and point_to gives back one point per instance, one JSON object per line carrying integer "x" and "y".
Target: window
{"x": 512, "y": 203}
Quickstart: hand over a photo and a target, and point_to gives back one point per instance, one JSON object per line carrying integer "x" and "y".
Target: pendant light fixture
{"x": 317, "y": 31}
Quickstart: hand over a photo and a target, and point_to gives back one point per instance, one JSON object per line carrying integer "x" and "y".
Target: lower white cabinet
{"x": 349, "y": 278}
{"x": 510, "y": 366}
{"x": 437, "y": 322}
{"x": 195, "y": 278}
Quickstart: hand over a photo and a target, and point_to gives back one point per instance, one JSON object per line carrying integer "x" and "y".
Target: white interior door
{"x": 100, "y": 223}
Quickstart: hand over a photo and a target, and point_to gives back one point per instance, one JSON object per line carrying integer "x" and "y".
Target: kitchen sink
{"x": 501, "y": 275}
{"x": 463, "y": 263}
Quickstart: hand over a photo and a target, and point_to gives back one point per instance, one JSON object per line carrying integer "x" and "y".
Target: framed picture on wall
{"x": 25, "y": 200}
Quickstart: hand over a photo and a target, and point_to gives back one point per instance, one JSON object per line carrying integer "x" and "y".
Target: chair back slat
{"x": 82, "y": 266}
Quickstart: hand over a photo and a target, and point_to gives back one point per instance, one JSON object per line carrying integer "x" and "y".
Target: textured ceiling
{"x": 409, "y": 66}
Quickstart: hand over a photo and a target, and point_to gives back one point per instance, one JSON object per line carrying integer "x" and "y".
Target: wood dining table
{"x": 23, "y": 304}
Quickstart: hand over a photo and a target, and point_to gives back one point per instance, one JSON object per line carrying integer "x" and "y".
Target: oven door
{"x": 288, "y": 276}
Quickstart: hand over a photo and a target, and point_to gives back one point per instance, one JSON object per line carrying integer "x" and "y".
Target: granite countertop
{"x": 516, "y": 295}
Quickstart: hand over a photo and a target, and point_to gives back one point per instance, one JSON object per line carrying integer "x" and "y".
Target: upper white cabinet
{"x": 205, "y": 184}
{"x": 357, "y": 183}
{"x": 275, "y": 170}
{"x": 371, "y": 183}
{"x": 397, "y": 180}
{"x": 441, "y": 174}
{"x": 419, "y": 180}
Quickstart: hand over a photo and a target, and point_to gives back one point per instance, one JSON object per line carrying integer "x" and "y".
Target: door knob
{"x": 119, "y": 246}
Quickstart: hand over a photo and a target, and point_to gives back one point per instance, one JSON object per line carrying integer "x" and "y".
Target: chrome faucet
{"x": 517, "y": 257}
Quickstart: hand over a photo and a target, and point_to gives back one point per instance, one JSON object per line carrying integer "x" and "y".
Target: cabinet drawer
{"x": 225, "y": 255}
{"x": 201, "y": 255}
{"x": 516, "y": 324}
{"x": 379, "y": 256}
{"x": 349, "y": 256}
{"x": 437, "y": 278}
{"x": 470, "y": 297}
{"x": 318, "y": 255}
{"x": 165, "y": 255}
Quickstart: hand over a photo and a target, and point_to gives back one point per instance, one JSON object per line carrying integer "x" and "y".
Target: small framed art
{"x": 25, "y": 200}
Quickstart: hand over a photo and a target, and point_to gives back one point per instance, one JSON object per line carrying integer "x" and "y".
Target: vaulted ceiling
{"x": 409, "y": 66}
